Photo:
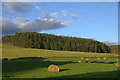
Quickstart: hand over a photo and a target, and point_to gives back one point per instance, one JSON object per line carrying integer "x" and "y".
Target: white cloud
{"x": 9, "y": 27}
{"x": 22, "y": 24}
{"x": 65, "y": 13}
{"x": 37, "y": 7}
{"x": 110, "y": 43}
{"x": 50, "y": 15}
{"x": 36, "y": 26}
{"x": 55, "y": 14}
{"x": 68, "y": 22}
{"x": 20, "y": 19}
{"x": 18, "y": 7}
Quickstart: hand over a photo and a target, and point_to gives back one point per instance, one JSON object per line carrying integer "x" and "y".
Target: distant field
{"x": 114, "y": 48}
{"x": 9, "y": 51}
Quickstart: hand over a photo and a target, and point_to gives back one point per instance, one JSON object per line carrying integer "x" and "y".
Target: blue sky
{"x": 96, "y": 20}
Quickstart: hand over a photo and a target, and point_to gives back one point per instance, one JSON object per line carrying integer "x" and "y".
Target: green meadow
{"x": 10, "y": 51}
{"x": 33, "y": 63}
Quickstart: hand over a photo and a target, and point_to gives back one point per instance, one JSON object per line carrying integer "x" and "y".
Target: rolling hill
{"x": 53, "y": 42}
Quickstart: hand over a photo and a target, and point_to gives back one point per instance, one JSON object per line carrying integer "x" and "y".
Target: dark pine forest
{"x": 53, "y": 42}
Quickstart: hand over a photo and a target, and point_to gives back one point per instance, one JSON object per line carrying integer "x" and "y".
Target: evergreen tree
{"x": 53, "y": 42}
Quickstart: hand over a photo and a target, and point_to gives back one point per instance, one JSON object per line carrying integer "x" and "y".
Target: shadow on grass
{"x": 23, "y": 64}
{"x": 27, "y": 58}
{"x": 110, "y": 62}
{"x": 103, "y": 62}
{"x": 64, "y": 70}
{"x": 108, "y": 74}
{"x": 29, "y": 63}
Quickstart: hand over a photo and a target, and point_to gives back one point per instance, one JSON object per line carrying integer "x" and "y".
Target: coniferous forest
{"x": 53, "y": 42}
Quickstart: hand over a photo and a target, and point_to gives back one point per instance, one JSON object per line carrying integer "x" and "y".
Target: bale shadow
{"x": 97, "y": 62}
{"x": 61, "y": 70}
{"x": 103, "y": 62}
{"x": 7, "y": 76}
{"x": 26, "y": 58}
{"x": 110, "y": 62}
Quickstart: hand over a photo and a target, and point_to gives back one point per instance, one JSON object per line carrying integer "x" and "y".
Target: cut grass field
{"x": 114, "y": 48}
{"x": 69, "y": 68}
{"x": 67, "y": 61}
{"x": 10, "y": 51}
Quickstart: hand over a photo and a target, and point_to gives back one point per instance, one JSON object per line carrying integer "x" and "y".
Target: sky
{"x": 95, "y": 20}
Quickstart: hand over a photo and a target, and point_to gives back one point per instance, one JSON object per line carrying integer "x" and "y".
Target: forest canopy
{"x": 53, "y": 42}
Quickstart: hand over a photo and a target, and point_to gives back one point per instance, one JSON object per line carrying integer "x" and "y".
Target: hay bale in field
{"x": 82, "y": 57}
{"x": 87, "y": 59}
{"x": 117, "y": 64}
{"x": 80, "y": 61}
{"x": 98, "y": 58}
{"x": 53, "y": 68}
{"x": 104, "y": 58}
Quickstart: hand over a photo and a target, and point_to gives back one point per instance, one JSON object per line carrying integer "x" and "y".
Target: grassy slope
{"x": 69, "y": 67}
{"x": 9, "y": 51}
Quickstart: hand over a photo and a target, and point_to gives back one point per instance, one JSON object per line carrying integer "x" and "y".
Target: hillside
{"x": 9, "y": 51}
{"x": 53, "y": 42}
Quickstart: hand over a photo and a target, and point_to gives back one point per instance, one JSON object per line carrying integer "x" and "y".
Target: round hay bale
{"x": 104, "y": 58}
{"x": 82, "y": 57}
{"x": 87, "y": 59}
{"x": 80, "y": 61}
{"x": 117, "y": 64}
{"x": 98, "y": 58}
{"x": 53, "y": 68}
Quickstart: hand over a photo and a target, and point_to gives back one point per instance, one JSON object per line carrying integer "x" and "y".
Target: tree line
{"x": 53, "y": 42}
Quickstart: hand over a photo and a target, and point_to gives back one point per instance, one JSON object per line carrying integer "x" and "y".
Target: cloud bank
{"x": 110, "y": 43}
{"x": 36, "y": 26}
{"x": 65, "y": 13}
{"x": 18, "y": 7}
{"x": 22, "y": 24}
